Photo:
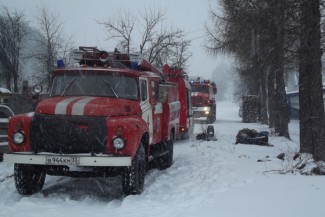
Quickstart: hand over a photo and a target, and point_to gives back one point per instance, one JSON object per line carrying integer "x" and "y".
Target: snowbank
{"x": 4, "y": 90}
{"x": 210, "y": 178}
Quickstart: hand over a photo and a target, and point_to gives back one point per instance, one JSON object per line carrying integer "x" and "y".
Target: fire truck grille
{"x": 68, "y": 134}
{"x": 196, "y": 101}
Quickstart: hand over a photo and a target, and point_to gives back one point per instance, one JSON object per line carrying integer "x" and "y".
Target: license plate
{"x": 59, "y": 160}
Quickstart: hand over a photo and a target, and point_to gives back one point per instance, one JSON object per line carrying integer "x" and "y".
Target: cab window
{"x": 143, "y": 90}
{"x": 155, "y": 90}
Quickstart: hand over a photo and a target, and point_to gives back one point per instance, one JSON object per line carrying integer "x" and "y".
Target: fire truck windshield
{"x": 200, "y": 88}
{"x": 99, "y": 85}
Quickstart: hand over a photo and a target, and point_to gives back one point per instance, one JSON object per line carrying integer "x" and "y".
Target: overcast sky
{"x": 80, "y": 20}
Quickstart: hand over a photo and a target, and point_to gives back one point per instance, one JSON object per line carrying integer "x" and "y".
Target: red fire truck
{"x": 204, "y": 99}
{"x": 112, "y": 115}
{"x": 180, "y": 77}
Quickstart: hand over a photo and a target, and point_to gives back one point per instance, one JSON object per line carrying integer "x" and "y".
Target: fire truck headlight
{"x": 206, "y": 112}
{"x": 118, "y": 143}
{"x": 206, "y": 109}
{"x": 18, "y": 137}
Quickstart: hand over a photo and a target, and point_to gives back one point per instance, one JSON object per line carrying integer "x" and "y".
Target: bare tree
{"x": 164, "y": 48}
{"x": 150, "y": 20}
{"x": 158, "y": 45}
{"x": 181, "y": 54}
{"x": 120, "y": 29}
{"x": 53, "y": 45}
{"x": 12, "y": 30}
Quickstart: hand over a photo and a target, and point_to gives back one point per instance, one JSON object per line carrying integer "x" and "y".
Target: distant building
{"x": 4, "y": 96}
{"x": 292, "y": 79}
{"x": 292, "y": 89}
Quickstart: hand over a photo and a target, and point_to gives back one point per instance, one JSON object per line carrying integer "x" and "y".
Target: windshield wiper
{"x": 67, "y": 87}
{"x": 110, "y": 87}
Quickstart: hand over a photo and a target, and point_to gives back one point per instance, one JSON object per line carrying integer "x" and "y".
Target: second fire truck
{"x": 179, "y": 76}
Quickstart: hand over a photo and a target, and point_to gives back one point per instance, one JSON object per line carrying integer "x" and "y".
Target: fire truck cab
{"x": 112, "y": 115}
{"x": 204, "y": 99}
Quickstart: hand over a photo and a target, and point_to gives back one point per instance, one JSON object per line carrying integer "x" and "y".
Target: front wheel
{"x": 29, "y": 179}
{"x": 134, "y": 175}
{"x": 211, "y": 118}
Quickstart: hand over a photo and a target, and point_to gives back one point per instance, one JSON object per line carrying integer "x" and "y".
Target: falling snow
{"x": 209, "y": 178}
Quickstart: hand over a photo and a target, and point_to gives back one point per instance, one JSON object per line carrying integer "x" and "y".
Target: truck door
{"x": 157, "y": 111}
{"x": 146, "y": 108}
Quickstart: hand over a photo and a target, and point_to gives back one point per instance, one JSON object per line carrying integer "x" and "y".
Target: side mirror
{"x": 37, "y": 88}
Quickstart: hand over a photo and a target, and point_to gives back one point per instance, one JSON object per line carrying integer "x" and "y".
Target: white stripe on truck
{"x": 79, "y": 106}
{"x": 61, "y": 107}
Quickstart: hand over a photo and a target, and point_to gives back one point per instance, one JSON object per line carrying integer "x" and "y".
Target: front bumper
{"x": 63, "y": 159}
{"x": 201, "y": 111}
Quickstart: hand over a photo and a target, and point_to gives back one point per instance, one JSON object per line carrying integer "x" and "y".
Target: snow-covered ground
{"x": 210, "y": 178}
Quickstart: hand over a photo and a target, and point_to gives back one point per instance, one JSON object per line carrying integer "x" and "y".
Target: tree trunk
{"x": 310, "y": 82}
{"x": 281, "y": 113}
{"x": 8, "y": 79}
{"x": 270, "y": 97}
{"x": 263, "y": 109}
{"x": 15, "y": 83}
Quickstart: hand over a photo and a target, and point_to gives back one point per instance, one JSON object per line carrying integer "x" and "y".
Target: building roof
{"x": 4, "y": 91}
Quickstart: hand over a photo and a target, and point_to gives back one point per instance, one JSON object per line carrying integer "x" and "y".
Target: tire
{"x": 133, "y": 176}
{"x": 210, "y": 119}
{"x": 212, "y": 116}
{"x": 29, "y": 179}
{"x": 165, "y": 161}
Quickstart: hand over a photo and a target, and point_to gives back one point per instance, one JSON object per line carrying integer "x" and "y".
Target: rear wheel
{"x": 165, "y": 161}
{"x": 134, "y": 175}
{"x": 29, "y": 179}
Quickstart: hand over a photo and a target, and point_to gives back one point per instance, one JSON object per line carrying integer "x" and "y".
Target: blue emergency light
{"x": 134, "y": 65}
{"x": 60, "y": 63}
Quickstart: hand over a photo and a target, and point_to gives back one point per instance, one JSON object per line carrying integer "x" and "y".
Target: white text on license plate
{"x": 58, "y": 160}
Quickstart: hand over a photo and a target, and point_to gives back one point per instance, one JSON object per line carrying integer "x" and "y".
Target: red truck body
{"x": 113, "y": 114}
{"x": 178, "y": 76}
{"x": 204, "y": 99}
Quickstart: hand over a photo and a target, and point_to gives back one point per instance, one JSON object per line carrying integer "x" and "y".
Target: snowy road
{"x": 207, "y": 179}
